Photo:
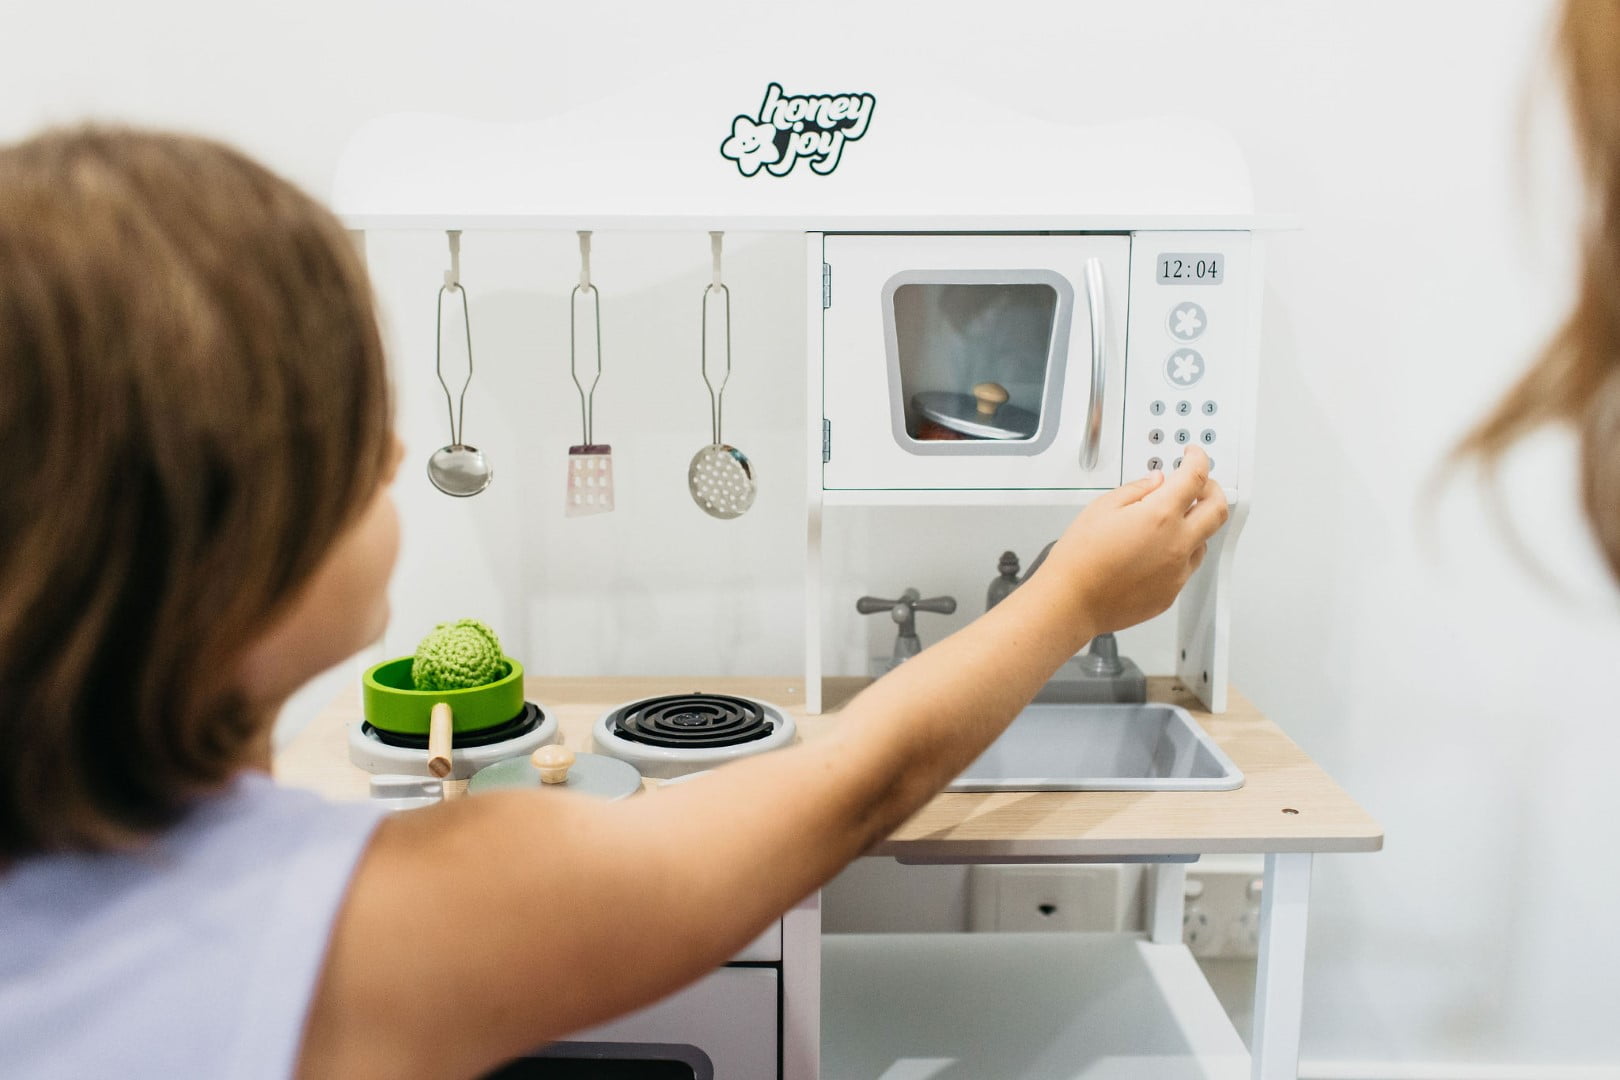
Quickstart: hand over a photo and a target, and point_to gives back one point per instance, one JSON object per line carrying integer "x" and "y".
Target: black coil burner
{"x": 524, "y": 722}
{"x": 691, "y": 720}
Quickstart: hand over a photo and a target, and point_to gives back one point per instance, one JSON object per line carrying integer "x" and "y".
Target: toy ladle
{"x": 456, "y": 469}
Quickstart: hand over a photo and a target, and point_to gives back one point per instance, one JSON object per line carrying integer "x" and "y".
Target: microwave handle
{"x": 1097, "y": 301}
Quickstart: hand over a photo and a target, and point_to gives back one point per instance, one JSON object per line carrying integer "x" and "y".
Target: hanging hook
{"x": 452, "y": 276}
{"x": 714, "y": 248}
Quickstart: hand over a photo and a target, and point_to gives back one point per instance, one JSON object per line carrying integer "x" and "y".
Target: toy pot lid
{"x": 561, "y": 770}
{"x": 977, "y": 416}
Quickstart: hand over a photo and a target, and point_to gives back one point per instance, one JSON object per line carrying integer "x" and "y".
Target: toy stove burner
{"x": 692, "y": 720}
{"x": 670, "y": 736}
{"x": 387, "y": 752}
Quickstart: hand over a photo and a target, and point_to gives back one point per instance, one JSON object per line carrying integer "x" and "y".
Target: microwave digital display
{"x": 1178, "y": 268}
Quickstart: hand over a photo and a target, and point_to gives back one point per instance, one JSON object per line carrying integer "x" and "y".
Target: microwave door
{"x": 969, "y": 362}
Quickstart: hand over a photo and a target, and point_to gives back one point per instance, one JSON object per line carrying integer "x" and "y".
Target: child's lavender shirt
{"x": 197, "y": 957}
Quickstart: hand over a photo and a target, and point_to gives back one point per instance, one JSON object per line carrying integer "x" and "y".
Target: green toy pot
{"x": 393, "y": 704}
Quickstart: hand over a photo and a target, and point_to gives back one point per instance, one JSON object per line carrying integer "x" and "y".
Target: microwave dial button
{"x": 1156, "y": 436}
{"x": 1207, "y": 437}
{"x": 1186, "y": 322}
{"x": 1183, "y": 437}
{"x": 1183, "y": 408}
{"x": 1209, "y": 408}
{"x": 1155, "y": 464}
{"x": 1184, "y": 367}
{"x": 1157, "y": 408}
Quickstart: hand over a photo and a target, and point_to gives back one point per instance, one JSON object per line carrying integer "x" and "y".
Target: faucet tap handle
{"x": 904, "y": 612}
{"x": 907, "y": 606}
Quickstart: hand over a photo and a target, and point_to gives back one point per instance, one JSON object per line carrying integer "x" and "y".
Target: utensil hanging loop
{"x": 716, "y": 289}
{"x": 457, "y": 405}
{"x": 585, "y": 290}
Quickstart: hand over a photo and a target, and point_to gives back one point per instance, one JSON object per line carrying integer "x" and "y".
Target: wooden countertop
{"x": 1287, "y": 802}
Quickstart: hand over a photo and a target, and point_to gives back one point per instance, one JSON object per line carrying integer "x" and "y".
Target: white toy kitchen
{"x": 976, "y": 339}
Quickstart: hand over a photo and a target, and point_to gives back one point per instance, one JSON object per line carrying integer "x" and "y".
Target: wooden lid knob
{"x": 553, "y": 761}
{"x": 991, "y": 396}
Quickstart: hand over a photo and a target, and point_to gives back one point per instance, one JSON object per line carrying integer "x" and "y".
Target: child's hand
{"x": 1129, "y": 553}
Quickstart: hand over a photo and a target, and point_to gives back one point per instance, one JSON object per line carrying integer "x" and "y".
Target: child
{"x": 194, "y": 520}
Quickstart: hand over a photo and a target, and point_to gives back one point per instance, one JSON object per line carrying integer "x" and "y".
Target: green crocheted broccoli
{"x": 458, "y": 655}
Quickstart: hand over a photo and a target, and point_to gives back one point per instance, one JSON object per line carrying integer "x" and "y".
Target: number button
{"x": 1157, "y": 408}
{"x": 1183, "y": 408}
{"x": 1209, "y": 408}
{"x": 1186, "y": 322}
{"x": 1176, "y": 464}
{"x": 1207, "y": 437}
{"x": 1184, "y": 367}
{"x": 1156, "y": 436}
{"x": 1155, "y": 464}
{"x": 1183, "y": 437}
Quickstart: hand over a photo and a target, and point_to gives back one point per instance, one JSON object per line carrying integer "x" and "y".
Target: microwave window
{"x": 974, "y": 360}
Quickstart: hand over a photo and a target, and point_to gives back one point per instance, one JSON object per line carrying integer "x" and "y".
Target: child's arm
{"x": 484, "y": 928}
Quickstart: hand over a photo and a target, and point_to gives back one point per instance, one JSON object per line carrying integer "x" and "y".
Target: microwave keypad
{"x": 1181, "y": 436}
{"x": 1188, "y": 350}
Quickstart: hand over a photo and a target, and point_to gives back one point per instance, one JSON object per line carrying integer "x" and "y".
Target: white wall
{"x": 1396, "y": 638}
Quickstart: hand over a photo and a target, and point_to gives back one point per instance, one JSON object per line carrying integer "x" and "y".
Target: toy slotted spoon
{"x": 590, "y": 464}
{"x": 720, "y": 478}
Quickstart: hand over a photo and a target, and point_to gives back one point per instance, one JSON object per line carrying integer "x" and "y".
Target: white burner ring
{"x": 376, "y": 756}
{"x": 669, "y": 762}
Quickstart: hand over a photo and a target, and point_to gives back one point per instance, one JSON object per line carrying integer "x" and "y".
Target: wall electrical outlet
{"x": 1197, "y": 932}
{"x": 1222, "y": 918}
{"x": 1105, "y": 897}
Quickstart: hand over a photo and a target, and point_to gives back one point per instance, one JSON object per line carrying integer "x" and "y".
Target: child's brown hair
{"x": 193, "y": 406}
{"x": 1577, "y": 377}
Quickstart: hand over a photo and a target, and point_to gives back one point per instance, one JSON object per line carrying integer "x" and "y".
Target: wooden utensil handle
{"x": 439, "y": 739}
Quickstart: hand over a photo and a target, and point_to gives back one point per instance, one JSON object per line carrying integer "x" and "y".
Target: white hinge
{"x": 826, "y": 440}
{"x": 826, "y": 286}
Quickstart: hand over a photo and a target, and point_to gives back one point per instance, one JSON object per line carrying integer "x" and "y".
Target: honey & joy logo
{"x": 793, "y": 126}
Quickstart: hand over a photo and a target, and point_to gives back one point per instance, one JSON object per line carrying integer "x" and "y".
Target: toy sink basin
{"x": 1102, "y": 748}
{"x": 393, "y": 704}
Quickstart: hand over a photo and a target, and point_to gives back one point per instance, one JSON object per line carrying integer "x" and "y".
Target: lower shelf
{"x": 1020, "y": 1007}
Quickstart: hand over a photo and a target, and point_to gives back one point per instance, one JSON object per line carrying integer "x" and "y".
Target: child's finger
{"x": 1134, "y": 491}
{"x": 1210, "y": 512}
{"x": 1186, "y": 483}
